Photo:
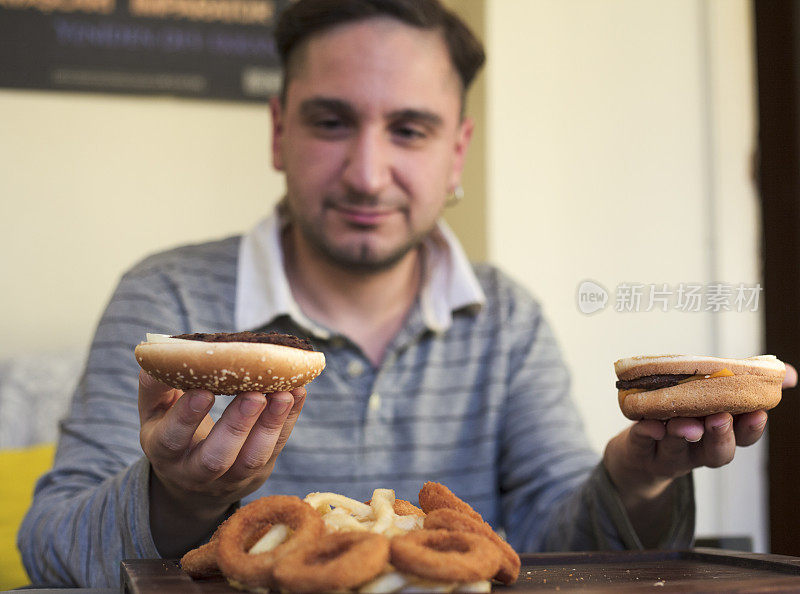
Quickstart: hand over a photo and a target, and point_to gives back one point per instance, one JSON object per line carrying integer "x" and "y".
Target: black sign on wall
{"x": 215, "y": 49}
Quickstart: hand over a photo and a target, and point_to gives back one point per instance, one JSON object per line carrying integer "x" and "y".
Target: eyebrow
{"x": 428, "y": 118}
{"x": 309, "y": 106}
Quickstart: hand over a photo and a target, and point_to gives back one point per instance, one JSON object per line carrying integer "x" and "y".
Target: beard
{"x": 360, "y": 256}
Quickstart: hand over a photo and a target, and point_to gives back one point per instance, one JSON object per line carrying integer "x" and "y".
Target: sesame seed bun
{"x": 227, "y": 367}
{"x": 754, "y": 385}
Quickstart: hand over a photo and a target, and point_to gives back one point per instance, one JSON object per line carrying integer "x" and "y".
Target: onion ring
{"x": 249, "y": 523}
{"x": 450, "y": 519}
{"x": 436, "y": 496}
{"x": 202, "y": 561}
{"x": 444, "y": 555}
{"x": 337, "y": 561}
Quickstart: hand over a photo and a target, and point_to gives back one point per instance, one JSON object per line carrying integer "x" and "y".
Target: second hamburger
{"x": 667, "y": 386}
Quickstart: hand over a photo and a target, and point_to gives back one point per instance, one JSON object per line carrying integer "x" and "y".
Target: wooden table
{"x": 697, "y": 570}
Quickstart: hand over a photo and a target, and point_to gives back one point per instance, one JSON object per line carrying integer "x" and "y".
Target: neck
{"x": 367, "y": 307}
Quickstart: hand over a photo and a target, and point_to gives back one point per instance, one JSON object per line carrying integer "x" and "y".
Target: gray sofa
{"x": 35, "y": 392}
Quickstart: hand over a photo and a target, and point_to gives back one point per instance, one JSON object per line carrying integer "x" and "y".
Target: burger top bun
{"x": 667, "y": 386}
{"x": 229, "y": 366}
{"x": 633, "y": 367}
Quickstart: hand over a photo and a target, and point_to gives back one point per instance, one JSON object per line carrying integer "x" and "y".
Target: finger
{"x": 155, "y": 398}
{"x": 217, "y": 453}
{"x": 299, "y": 395}
{"x": 719, "y": 442}
{"x": 175, "y": 434}
{"x": 749, "y": 427}
{"x": 260, "y": 443}
{"x": 790, "y": 379}
{"x": 675, "y": 450}
{"x": 641, "y": 439}
{"x": 644, "y": 434}
{"x": 689, "y": 429}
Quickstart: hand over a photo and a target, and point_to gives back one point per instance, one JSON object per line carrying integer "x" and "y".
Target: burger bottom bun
{"x": 699, "y": 398}
{"x": 229, "y": 367}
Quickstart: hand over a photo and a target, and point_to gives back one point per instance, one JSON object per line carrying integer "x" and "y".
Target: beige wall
{"x": 619, "y": 138}
{"x": 92, "y": 183}
{"x": 468, "y": 218}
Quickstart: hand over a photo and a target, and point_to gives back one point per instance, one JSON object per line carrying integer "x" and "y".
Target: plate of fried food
{"x": 327, "y": 542}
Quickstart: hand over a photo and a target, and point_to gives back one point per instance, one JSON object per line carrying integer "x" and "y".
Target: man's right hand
{"x": 200, "y": 468}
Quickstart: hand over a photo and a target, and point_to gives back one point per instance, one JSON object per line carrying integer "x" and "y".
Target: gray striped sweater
{"x": 483, "y": 407}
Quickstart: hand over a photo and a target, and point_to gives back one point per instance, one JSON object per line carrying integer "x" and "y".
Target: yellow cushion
{"x": 19, "y": 470}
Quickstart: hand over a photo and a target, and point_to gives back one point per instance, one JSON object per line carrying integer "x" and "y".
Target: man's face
{"x": 370, "y": 139}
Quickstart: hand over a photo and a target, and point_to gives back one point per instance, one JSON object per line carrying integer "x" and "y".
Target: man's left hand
{"x": 644, "y": 459}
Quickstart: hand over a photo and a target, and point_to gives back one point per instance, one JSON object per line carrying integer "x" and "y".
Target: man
{"x": 436, "y": 370}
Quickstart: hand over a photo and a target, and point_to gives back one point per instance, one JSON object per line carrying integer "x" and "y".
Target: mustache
{"x": 359, "y": 199}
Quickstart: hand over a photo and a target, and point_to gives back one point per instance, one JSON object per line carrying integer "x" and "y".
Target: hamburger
{"x": 230, "y": 363}
{"x": 667, "y": 386}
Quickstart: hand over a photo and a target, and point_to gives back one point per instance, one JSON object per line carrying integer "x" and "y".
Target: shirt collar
{"x": 263, "y": 292}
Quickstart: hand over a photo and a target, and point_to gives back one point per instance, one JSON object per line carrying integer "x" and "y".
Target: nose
{"x": 368, "y": 168}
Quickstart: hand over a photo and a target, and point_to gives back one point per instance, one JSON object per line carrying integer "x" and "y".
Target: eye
{"x": 328, "y": 123}
{"x": 409, "y": 133}
{"x": 329, "y": 127}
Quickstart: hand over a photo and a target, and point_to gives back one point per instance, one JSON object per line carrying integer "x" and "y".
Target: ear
{"x": 276, "y": 109}
{"x": 463, "y": 138}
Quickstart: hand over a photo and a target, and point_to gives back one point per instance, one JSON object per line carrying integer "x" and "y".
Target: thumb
{"x": 790, "y": 379}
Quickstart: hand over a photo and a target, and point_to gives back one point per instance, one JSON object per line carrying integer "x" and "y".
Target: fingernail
{"x": 693, "y": 440}
{"x": 278, "y": 407}
{"x": 250, "y": 407}
{"x": 199, "y": 402}
{"x": 722, "y": 428}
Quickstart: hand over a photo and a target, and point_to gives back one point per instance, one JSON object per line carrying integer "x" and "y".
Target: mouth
{"x": 363, "y": 216}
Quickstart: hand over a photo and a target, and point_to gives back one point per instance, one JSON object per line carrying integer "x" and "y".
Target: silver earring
{"x": 457, "y": 196}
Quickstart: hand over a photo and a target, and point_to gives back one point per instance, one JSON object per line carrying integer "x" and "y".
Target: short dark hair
{"x": 305, "y": 18}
